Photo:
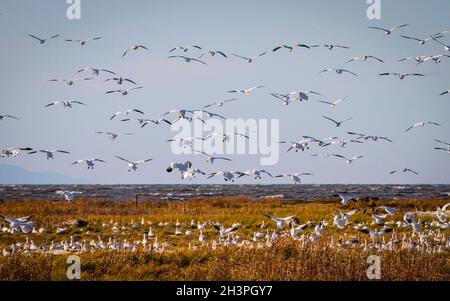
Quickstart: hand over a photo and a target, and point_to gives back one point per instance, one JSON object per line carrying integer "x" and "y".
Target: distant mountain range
{"x": 10, "y": 174}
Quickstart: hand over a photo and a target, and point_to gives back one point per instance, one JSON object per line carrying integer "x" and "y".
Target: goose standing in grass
{"x": 249, "y": 59}
{"x": 187, "y": 59}
{"x": 349, "y": 161}
{"x": 49, "y": 153}
{"x": 388, "y": 32}
{"x": 337, "y": 123}
{"x": 67, "y": 104}
{"x": 124, "y": 92}
{"x": 89, "y": 162}
{"x": 225, "y": 232}
{"x": 125, "y": 113}
{"x": 210, "y": 159}
{"x": 282, "y": 222}
{"x": 440, "y": 213}
{"x": 83, "y": 42}
{"x": 2, "y": 117}
{"x": 295, "y": 177}
{"x": 43, "y": 40}
{"x": 114, "y": 136}
{"x": 133, "y": 165}
{"x": 401, "y": 76}
{"x": 364, "y": 58}
{"x": 339, "y": 71}
{"x": 334, "y": 103}
{"x": 134, "y": 48}
{"x": 422, "y": 124}
{"x": 68, "y": 195}
{"x": 246, "y": 92}
{"x": 95, "y": 71}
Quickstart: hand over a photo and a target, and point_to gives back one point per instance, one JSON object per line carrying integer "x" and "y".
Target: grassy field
{"x": 185, "y": 258}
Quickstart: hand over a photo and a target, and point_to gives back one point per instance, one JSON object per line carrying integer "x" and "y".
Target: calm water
{"x": 183, "y": 192}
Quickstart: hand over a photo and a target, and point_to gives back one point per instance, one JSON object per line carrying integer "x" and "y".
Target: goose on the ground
{"x": 388, "y": 31}
{"x": 187, "y": 59}
{"x": 68, "y": 195}
{"x": 339, "y": 71}
{"x": 334, "y": 103}
{"x": 249, "y": 59}
{"x": 89, "y": 162}
{"x": 43, "y": 40}
{"x": 49, "y": 153}
{"x": 125, "y": 113}
{"x": 210, "y": 159}
{"x": 133, "y": 48}
{"x": 422, "y": 124}
{"x": 125, "y": 91}
{"x": 133, "y": 165}
{"x": 66, "y": 104}
{"x": 337, "y": 123}
{"x": 83, "y": 42}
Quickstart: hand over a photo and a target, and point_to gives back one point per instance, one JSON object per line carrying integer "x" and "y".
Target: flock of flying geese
{"x": 186, "y": 53}
{"x": 425, "y": 236}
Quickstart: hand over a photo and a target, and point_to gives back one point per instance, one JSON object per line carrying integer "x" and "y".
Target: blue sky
{"x": 380, "y": 106}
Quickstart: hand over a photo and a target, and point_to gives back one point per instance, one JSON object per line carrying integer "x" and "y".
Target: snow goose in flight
{"x": 68, "y": 195}
{"x": 246, "y": 92}
{"x": 225, "y": 232}
{"x": 191, "y": 173}
{"x": 376, "y": 234}
{"x": 331, "y": 46}
{"x": 405, "y": 170}
{"x": 388, "y": 32}
{"x": 284, "y": 98}
{"x": 120, "y": 80}
{"x": 388, "y": 210}
{"x": 282, "y": 222}
{"x": 114, "y": 136}
{"x": 297, "y": 145}
{"x": 211, "y": 115}
{"x": 8, "y": 116}
{"x": 41, "y": 40}
{"x": 219, "y": 103}
{"x": 364, "y": 58}
{"x": 445, "y": 92}
{"x": 89, "y": 162}
{"x": 186, "y": 142}
{"x": 187, "y": 59}
{"x": 401, "y": 75}
{"x": 443, "y": 149}
{"x": 422, "y": 124}
{"x": 125, "y": 113}
{"x": 290, "y": 48}
{"x": 132, "y": 166}
{"x": 349, "y": 161}
{"x": 95, "y": 71}
{"x": 225, "y": 137}
{"x": 440, "y": 213}
{"x": 378, "y": 219}
{"x": 182, "y": 115}
{"x": 66, "y": 104}
{"x": 337, "y": 123}
{"x": 367, "y": 137}
{"x": 70, "y": 82}
{"x": 135, "y": 47}
{"x": 83, "y": 42}
{"x": 295, "y": 177}
{"x": 443, "y": 142}
{"x": 251, "y": 59}
{"x": 213, "y": 53}
{"x": 256, "y": 173}
{"x": 49, "y": 153}
{"x": 185, "y": 48}
{"x": 228, "y": 176}
{"x": 334, "y": 103}
{"x": 125, "y": 91}
{"x": 144, "y": 122}
{"x": 435, "y": 58}
{"x": 345, "y": 199}
{"x": 338, "y": 71}
{"x": 446, "y": 47}
{"x": 422, "y": 41}
{"x": 182, "y": 167}
{"x": 210, "y": 159}
{"x": 13, "y": 151}
{"x": 302, "y": 95}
